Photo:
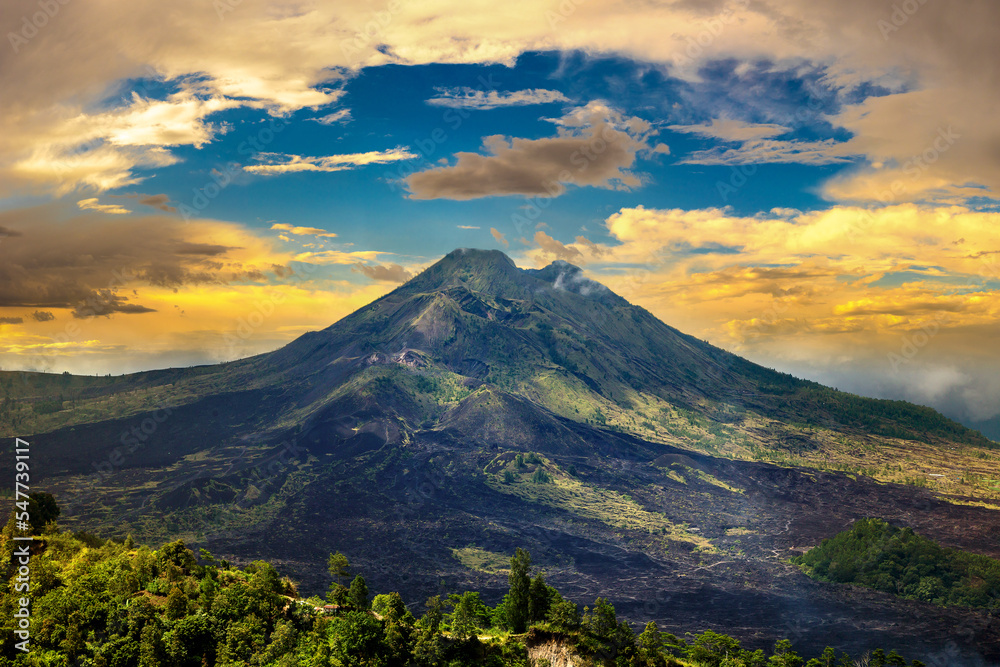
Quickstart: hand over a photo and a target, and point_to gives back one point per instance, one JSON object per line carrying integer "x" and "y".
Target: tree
{"x": 564, "y": 615}
{"x": 358, "y": 593}
{"x": 177, "y": 555}
{"x": 650, "y": 644}
{"x": 470, "y": 614}
{"x": 434, "y": 615}
{"x": 399, "y": 628}
{"x": 42, "y": 509}
{"x": 784, "y": 656}
{"x": 711, "y": 648}
{"x": 601, "y": 622}
{"x": 177, "y": 604}
{"x": 356, "y": 640}
{"x": 519, "y": 594}
{"x": 538, "y": 599}
{"x": 338, "y": 566}
{"x": 151, "y": 650}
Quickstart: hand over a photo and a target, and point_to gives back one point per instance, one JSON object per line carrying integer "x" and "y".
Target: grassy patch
{"x": 569, "y": 494}
{"x": 482, "y": 560}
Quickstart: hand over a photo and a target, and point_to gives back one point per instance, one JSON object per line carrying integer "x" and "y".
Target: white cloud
{"x": 93, "y": 205}
{"x": 733, "y": 130}
{"x": 301, "y": 231}
{"x": 471, "y": 98}
{"x": 766, "y": 150}
{"x": 297, "y": 163}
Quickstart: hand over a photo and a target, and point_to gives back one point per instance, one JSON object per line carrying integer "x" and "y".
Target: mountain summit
{"x": 481, "y": 407}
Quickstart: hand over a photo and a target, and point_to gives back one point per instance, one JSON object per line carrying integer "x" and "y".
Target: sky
{"x": 812, "y": 185}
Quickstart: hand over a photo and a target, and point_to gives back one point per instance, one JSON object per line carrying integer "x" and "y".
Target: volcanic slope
{"x": 480, "y": 407}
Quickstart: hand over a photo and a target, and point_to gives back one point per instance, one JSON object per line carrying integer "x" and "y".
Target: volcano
{"x": 481, "y": 407}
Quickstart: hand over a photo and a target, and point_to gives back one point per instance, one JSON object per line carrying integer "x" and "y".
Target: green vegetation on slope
{"x": 539, "y": 480}
{"x": 896, "y": 560}
{"x": 113, "y": 604}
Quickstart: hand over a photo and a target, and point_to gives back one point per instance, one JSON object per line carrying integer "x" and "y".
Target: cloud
{"x": 104, "y": 303}
{"x": 595, "y": 146}
{"x": 103, "y": 149}
{"x": 303, "y": 231}
{"x": 93, "y": 205}
{"x": 338, "y": 117}
{"x": 841, "y": 270}
{"x": 85, "y": 262}
{"x": 927, "y": 70}
{"x": 393, "y": 273}
{"x": 11, "y": 320}
{"x": 160, "y": 202}
{"x": 467, "y": 227}
{"x": 761, "y": 151}
{"x": 554, "y": 248}
{"x": 728, "y": 129}
{"x": 297, "y": 163}
{"x": 471, "y": 98}
{"x": 758, "y": 146}
{"x": 500, "y": 238}
{"x": 338, "y": 256}
{"x": 42, "y": 316}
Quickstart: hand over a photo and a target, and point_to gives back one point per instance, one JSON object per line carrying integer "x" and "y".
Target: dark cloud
{"x": 594, "y": 147}
{"x": 43, "y": 316}
{"x": 11, "y": 320}
{"x": 81, "y": 262}
{"x": 391, "y": 273}
{"x": 206, "y": 249}
{"x": 4, "y": 232}
{"x": 155, "y": 201}
{"x": 105, "y": 302}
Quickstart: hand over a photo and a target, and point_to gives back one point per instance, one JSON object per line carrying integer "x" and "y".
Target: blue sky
{"x": 809, "y": 185}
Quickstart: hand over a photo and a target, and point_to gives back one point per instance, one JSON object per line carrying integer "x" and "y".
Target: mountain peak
{"x": 477, "y": 258}
{"x": 479, "y": 270}
{"x": 569, "y": 277}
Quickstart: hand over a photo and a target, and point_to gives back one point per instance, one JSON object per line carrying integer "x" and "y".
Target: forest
{"x": 107, "y": 603}
{"x": 895, "y": 560}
